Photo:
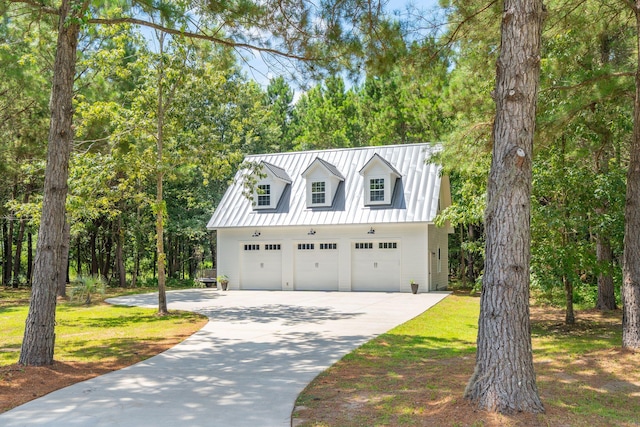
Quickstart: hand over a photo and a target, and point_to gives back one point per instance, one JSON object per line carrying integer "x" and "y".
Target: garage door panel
{"x": 316, "y": 266}
{"x": 375, "y": 266}
{"x": 261, "y": 266}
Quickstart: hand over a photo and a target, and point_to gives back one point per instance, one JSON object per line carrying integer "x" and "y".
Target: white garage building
{"x": 356, "y": 219}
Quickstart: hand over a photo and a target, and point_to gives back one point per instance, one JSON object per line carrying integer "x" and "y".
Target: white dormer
{"x": 270, "y": 186}
{"x": 379, "y": 181}
{"x": 322, "y": 180}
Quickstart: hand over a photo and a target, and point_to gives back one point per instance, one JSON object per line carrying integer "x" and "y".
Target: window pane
{"x": 264, "y": 195}
{"x": 317, "y": 192}
{"x": 376, "y": 187}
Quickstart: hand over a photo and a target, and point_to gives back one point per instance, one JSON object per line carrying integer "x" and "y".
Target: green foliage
{"x": 83, "y": 289}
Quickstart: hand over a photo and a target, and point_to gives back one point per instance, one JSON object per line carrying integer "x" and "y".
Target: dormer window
{"x": 322, "y": 181}
{"x": 270, "y": 186}
{"x": 318, "y": 192}
{"x": 379, "y": 181}
{"x": 264, "y": 195}
{"x": 376, "y": 190}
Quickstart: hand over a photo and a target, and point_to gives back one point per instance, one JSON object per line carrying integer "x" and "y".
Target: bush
{"x": 84, "y": 287}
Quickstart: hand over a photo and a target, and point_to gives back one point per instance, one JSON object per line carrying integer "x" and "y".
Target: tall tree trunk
{"x": 160, "y": 206}
{"x": 17, "y": 260}
{"x": 108, "y": 245}
{"x": 119, "y": 236}
{"x": 604, "y": 254}
{"x": 39, "y": 334}
{"x": 606, "y": 291}
{"x": 631, "y": 266}
{"x": 6, "y": 254}
{"x": 569, "y": 316}
{"x": 79, "y": 256}
{"x": 94, "y": 257}
{"x": 63, "y": 265}
{"x": 504, "y": 379}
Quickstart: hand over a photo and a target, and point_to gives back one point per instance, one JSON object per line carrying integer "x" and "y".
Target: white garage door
{"x": 316, "y": 266}
{"x": 261, "y": 266}
{"x": 375, "y": 266}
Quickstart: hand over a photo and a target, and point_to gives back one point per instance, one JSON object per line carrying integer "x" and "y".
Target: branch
{"x": 589, "y": 81}
{"x": 466, "y": 19}
{"x": 201, "y": 36}
{"x": 38, "y": 5}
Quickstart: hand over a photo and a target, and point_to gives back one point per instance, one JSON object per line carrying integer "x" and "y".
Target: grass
{"x": 95, "y": 333}
{"x": 416, "y": 374}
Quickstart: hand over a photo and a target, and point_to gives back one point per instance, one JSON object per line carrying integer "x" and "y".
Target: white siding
{"x": 340, "y": 269}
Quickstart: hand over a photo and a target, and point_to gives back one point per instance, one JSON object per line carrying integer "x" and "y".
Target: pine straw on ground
{"x": 20, "y": 384}
{"x": 430, "y": 392}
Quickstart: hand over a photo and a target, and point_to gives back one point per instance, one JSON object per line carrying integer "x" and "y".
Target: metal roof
{"x": 415, "y": 198}
{"x": 278, "y": 172}
{"x": 328, "y": 166}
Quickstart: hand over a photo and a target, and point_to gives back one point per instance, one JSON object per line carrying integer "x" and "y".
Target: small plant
{"x": 84, "y": 287}
{"x": 223, "y": 280}
{"x": 414, "y": 286}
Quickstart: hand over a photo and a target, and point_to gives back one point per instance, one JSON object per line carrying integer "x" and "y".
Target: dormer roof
{"x": 331, "y": 169}
{"x": 378, "y": 158}
{"x": 277, "y": 172}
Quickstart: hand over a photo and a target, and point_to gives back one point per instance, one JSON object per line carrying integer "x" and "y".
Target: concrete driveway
{"x": 244, "y": 368}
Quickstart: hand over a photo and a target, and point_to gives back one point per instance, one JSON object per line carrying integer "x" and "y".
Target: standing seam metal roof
{"x": 415, "y": 198}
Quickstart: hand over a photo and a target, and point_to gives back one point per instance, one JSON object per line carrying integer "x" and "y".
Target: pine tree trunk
{"x": 17, "y": 260}
{"x": 606, "y": 291}
{"x": 569, "y": 316}
{"x": 63, "y": 265}
{"x": 6, "y": 253}
{"x": 631, "y": 266}
{"x": 39, "y": 335}
{"x": 122, "y": 272}
{"x": 504, "y": 378}
{"x": 108, "y": 245}
{"x": 162, "y": 296}
{"x": 92, "y": 244}
{"x": 79, "y": 257}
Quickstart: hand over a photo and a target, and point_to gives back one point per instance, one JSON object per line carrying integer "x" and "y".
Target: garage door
{"x": 316, "y": 266}
{"x": 375, "y": 266}
{"x": 261, "y": 266}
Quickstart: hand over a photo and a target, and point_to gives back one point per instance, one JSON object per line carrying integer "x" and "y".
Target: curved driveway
{"x": 244, "y": 368}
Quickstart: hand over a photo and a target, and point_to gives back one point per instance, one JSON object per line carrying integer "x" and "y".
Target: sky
{"x": 258, "y": 70}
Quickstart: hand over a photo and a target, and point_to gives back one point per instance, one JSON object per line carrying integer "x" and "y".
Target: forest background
{"x": 432, "y": 83}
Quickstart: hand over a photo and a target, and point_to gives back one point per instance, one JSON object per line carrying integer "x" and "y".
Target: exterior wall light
{"x": 371, "y": 231}
{"x": 256, "y": 234}
{"x": 311, "y": 232}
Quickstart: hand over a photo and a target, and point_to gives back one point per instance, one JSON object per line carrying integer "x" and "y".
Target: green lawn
{"x": 415, "y": 374}
{"x": 95, "y": 333}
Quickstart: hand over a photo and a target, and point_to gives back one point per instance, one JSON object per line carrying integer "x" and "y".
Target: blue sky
{"x": 259, "y": 71}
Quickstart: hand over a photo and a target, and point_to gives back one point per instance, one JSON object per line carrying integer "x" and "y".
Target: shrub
{"x": 84, "y": 287}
